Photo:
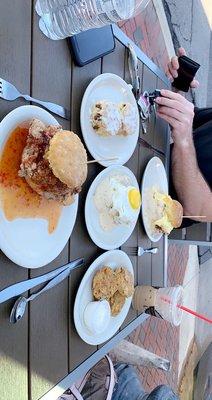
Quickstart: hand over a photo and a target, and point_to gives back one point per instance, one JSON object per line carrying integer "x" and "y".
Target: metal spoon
{"x": 19, "y": 307}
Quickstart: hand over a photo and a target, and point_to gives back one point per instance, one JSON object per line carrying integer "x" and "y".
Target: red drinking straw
{"x": 200, "y": 316}
{"x": 188, "y": 310}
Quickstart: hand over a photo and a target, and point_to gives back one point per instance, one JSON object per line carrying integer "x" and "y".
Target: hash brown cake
{"x": 124, "y": 280}
{"x": 104, "y": 284}
{"x": 116, "y": 303}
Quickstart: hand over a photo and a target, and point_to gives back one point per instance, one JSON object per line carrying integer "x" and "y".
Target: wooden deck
{"x": 44, "y": 349}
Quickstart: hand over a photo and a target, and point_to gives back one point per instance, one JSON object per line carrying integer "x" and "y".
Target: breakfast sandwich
{"x": 171, "y": 213}
{"x": 54, "y": 162}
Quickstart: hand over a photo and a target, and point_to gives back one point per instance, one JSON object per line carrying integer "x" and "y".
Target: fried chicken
{"x": 35, "y": 166}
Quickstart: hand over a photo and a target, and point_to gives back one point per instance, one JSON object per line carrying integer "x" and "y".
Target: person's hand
{"x": 179, "y": 113}
{"x": 173, "y": 67}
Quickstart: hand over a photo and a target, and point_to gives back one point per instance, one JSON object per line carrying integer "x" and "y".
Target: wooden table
{"x": 44, "y": 348}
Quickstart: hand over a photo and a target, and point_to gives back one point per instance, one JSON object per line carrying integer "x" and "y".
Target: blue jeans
{"x": 129, "y": 387}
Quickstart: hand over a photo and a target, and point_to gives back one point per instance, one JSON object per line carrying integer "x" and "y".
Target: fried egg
{"x": 126, "y": 202}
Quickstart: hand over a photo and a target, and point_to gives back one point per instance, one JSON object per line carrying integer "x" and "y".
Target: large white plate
{"x": 108, "y": 87}
{"x": 107, "y": 240}
{"x": 154, "y": 175}
{"x": 113, "y": 259}
{"x": 26, "y": 241}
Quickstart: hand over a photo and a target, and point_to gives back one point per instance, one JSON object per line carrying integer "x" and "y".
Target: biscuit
{"x": 125, "y": 283}
{"x": 116, "y": 303}
{"x": 104, "y": 284}
{"x": 68, "y": 159}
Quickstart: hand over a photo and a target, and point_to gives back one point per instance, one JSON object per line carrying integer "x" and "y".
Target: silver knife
{"x": 134, "y": 72}
{"x": 21, "y": 287}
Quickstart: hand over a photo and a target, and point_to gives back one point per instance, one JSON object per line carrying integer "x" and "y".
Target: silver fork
{"x": 139, "y": 251}
{"x": 9, "y": 92}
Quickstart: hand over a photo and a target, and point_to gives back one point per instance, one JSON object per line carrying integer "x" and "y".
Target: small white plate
{"x": 154, "y": 176}
{"x": 113, "y": 259}
{"x": 108, "y": 87}
{"x": 26, "y": 241}
{"x": 107, "y": 240}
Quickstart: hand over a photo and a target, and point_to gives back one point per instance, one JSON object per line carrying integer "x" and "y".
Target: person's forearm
{"x": 191, "y": 188}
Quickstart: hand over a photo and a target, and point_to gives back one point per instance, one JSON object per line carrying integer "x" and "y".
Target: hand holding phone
{"x": 186, "y": 73}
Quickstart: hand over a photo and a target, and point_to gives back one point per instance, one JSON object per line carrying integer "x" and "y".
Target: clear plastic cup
{"x": 166, "y": 302}
{"x": 160, "y": 303}
{"x": 144, "y": 297}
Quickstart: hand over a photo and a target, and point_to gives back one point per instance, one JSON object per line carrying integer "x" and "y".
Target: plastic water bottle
{"x": 62, "y": 18}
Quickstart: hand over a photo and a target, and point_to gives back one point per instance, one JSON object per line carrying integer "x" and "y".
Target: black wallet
{"x": 186, "y": 73}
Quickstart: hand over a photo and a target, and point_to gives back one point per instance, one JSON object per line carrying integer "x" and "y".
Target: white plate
{"x": 107, "y": 240}
{"x": 113, "y": 259}
{"x": 108, "y": 87}
{"x": 154, "y": 175}
{"x": 26, "y": 241}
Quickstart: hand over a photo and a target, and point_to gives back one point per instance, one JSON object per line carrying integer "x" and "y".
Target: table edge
{"x": 124, "y": 39}
{"x": 83, "y": 368}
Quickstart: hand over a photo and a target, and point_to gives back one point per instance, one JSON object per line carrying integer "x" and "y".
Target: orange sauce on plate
{"x": 18, "y": 200}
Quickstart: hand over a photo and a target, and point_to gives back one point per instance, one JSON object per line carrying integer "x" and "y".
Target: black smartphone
{"x": 92, "y": 44}
{"x": 186, "y": 73}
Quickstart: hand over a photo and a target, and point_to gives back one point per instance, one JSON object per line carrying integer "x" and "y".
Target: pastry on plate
{"x": 54, "y": 162}
{"x": 112, "y": 119}
{"x": 129, "y": 119}
{"x": 106, "y": 118}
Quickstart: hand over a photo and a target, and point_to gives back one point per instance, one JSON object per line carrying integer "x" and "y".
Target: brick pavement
{"x": 145, "y": 31}
{"x": 159, "y": 336}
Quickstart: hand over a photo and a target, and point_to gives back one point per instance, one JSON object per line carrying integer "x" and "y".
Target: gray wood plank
{"x": 198, "y": 231}
{"x": 158, "y": 259}
{"x": 48, "y": 340}
{"x": 15, "y": 43}
{"x": 176, "y": 234}
{"x": 144, "y": 262}
{"x": 161, "y": 131}
{"x": 48, "y": 344}
{"x": 115, "y": 62}
{"x": 81, "y": 245}
{"x": 15, "y": 48}
{"x": 149, "y": 83}
{"x": 13, "y": 339}
{"x": 159, "y": 262}
{"x": 132, "y": 164}
{"x": 160, "y": 139}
